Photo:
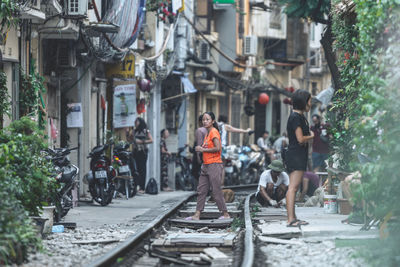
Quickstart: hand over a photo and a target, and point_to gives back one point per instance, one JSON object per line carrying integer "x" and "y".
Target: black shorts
{"x": 296, "y": 160}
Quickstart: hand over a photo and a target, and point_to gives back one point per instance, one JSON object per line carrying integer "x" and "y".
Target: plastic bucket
{"x": 330, "y": 204}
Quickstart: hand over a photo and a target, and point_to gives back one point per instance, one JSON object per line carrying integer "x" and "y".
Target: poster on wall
{"x": 124, "y": 105}
{"x": 74, "y": 116}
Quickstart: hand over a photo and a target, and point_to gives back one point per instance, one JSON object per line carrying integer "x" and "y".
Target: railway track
{"x": 255, "y": 236}
{"x": 169, "y": 239}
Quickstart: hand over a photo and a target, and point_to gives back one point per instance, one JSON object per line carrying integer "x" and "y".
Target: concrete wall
{"x": 226, "y": 27}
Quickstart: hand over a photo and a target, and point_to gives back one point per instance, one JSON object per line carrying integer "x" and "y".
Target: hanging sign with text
{"x": 124, "y": 114}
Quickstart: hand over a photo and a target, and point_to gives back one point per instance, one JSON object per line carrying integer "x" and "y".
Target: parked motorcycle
{"x": 126, "y": 170}
{"x": 232, "y": 165}
{"x": 101, "y": 176}
{"x": 66, "y": 174}
{"x": 251, "y": 163}
{"x": 254, "y": 167}
{"x": 183, "y": 175}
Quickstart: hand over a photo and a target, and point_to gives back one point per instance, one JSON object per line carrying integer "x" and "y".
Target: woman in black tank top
{"x": 297, "y": 155}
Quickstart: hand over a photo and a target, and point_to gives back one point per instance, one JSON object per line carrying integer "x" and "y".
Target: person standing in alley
{"x": 142, "y": 137}
{"x": 211, "y": 169}
{"x": 320, "y": 146}
{"x": 197, "y": 159}
{"x": 264, "y": 144}
{"x": 165, "y": 156}
{"x": 297, "y": 155}
{"x": 224, "y": 128}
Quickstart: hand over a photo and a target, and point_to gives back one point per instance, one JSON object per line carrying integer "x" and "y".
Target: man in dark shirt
{"x": 320, "y": 147}
{"x": 200, "y": 134}
{"x": 309, "y": 184}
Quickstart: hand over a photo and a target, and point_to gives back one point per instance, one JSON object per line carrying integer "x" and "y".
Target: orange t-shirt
{"x": 211, "y": 157}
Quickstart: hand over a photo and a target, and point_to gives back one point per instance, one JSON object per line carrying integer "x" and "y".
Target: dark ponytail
{"x": 212, "y": 115}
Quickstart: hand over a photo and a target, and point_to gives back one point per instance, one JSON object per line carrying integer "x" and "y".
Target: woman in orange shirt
{"x": 211, "y": 169}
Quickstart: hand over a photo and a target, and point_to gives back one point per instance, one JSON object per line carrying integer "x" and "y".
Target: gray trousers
{"x": 211, "y": 175}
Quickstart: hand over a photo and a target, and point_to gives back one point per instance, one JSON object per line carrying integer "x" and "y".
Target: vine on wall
{"x": 367, "y": 117}
{"x": 4, "y": 98}
{"x": 32, "y": 87}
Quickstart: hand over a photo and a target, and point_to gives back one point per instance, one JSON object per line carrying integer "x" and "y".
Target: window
{"x": 314, "y": 88}
{"x": 312, "y": 33}
{"x": 211, "y": 105}
{"x": 315, "y": 59}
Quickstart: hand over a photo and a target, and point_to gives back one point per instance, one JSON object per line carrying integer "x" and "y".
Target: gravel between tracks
{"x": 309, "y": 254}
{"x": 59, "y": 250}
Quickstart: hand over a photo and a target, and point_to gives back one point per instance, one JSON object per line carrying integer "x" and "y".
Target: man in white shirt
{"x": 281, "y": 142}
{"x": 273, "y": 185}
{"x": 265, "y": 145}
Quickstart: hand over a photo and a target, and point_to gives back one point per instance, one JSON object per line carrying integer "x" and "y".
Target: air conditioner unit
{"x": 254, "y": 2}
{"x": 203, "y": 50}
{"x": 250, "y": 45}
{"x": 77, "y": 7}
{"x": 36, "y": 4}
{"x": 66, "y": 55}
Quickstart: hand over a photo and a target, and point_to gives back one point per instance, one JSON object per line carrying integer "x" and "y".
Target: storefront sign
{"x": 124, "y": 105}
{"x": 123, "y": 69}
{"x": 74, "y": 115}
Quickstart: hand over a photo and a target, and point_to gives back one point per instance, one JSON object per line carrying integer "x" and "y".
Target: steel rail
{"x": 248, "y": 257}
{"x": 111, "y": 257}
{"x": 235, "y": 187}
{"x": 121, "y": 250}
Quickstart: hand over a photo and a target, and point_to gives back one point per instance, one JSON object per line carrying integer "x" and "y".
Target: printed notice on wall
{"x": 74, "y": 115}
{"x": 124, "y": 105}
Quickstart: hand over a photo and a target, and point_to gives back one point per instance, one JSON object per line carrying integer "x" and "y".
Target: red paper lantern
{"x": 141, "y": 106}
{"x": 144, "y": 85}
{"x": 263, "y": 99}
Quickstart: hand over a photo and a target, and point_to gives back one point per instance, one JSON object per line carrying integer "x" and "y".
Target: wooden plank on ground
{"x": 279, "y": 230}
{"x": 97, "y": 241}
{"x": 196, "y": 224}
{"x": 268, "y": 219}
{"x": 204, "y": 257}
{"x": 186, "y": 248}
{"x": 194, "y": 242}
{"x": 215, "y": 253}
{"x": 221, "y": 263}
{"x": 209, "y": 208}
{"x": 271, "y": 211}
{"x": 210, "y": 204}
{"x": 215, "y": 214}
{"x": 274, "y": 240}
{"x": 201, "y": 238}
{"x": 146, "y": 261}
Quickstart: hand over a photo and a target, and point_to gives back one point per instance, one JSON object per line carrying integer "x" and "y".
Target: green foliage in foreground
{"x": 8, "y": 10}
{"x": 17, "y": 233}
{"x": 4, "y": 98}
{"x": 26, "y": 185}
{"x": 367, "y": 115}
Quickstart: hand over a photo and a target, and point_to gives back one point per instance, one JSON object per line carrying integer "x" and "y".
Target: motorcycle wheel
{"x": 57, "y": 212}
{"x": 228, "y": 179}
{"x": 235, "y": 178}
{"x": 180, "y": 181}
{"x": 110, "y": 193}
{"x": 66, "y": 204}
{"x": 132, "y": 188}
{"x": 103, "y": 196}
